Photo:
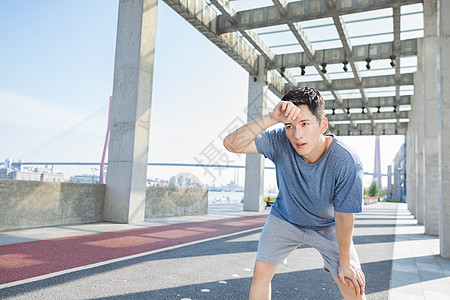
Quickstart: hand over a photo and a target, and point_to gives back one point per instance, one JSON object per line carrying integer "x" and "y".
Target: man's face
{"x": 305, "y": 134}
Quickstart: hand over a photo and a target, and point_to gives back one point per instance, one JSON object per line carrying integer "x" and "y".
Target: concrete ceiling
{"x": 375, "y": 40}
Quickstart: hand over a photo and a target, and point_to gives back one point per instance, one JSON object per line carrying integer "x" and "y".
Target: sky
{"x": 56, "y": 77}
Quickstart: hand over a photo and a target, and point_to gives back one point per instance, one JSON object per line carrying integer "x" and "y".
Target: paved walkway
{"x": 211, "y": 257}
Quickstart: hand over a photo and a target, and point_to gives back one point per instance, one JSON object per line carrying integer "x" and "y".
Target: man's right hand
{"x": 285, "y": 112}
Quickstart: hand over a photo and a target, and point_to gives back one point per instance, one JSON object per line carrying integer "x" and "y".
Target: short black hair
{"x": 310, "y": 97}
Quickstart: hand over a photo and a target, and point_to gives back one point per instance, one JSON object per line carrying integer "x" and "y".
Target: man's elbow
{"x": 228, "y": 144}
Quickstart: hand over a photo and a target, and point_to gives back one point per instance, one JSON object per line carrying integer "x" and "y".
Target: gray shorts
{"x": 279, "y": 238}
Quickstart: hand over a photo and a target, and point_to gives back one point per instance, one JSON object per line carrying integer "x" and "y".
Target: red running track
{"x": 31, "y": 259}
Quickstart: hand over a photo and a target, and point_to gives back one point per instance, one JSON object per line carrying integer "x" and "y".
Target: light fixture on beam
{"x": 368, "y": 59}
{"x": 392, "y": 63}
{"x": 345, "y": 62}
{"x": 303, "y": 67}
{"x": 323, "y": 64}
{"x": 282, "y": 70}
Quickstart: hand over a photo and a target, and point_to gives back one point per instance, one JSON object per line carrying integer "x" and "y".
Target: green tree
{"x": 381, "y": 192}
{"x": 372, "y": 191}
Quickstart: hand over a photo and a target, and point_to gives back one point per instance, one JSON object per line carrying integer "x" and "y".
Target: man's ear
{"x": 324, "y": 125}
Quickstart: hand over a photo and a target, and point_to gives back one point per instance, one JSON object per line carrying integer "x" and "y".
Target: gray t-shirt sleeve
{"x": 267, "y": 142}
{"x": 348, "y": 196}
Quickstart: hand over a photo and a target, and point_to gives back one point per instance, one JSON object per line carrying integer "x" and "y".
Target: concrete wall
{"x": 167, "y": 202}
{"x": 25, "y": 204}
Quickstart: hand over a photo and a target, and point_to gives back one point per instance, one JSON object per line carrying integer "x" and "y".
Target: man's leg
{"x": 262, "y": 276}
{"x": 348, "y": 292}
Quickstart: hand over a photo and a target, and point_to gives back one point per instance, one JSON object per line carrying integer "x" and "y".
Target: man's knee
{"x": 349, "y": 292}
{"x": 263, "y": 271}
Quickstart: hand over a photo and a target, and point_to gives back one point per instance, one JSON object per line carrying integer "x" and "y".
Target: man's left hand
{"x": 355, "y": 274}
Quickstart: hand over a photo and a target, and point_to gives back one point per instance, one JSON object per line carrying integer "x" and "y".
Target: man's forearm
{"x": 344, "y": 232}
{"x": 238, "y": 140}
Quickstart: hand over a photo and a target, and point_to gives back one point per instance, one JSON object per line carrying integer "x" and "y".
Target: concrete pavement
{"x": 398, "y": 259}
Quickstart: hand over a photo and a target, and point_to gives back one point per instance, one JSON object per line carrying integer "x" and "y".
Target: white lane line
{"x": 115, "y": 260}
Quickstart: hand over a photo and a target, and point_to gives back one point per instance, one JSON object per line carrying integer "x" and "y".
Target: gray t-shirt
{"x": 308, "y": 194}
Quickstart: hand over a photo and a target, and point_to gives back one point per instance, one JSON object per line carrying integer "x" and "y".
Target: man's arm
{"x": 242, "y": 140}
{"x": 344, "y": 232}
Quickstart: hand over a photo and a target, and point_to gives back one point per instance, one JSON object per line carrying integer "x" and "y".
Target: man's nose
{"x": 298, "y": 133}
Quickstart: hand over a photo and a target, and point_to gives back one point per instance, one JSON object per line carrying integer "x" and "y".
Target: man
{"x": 320, "y": 188}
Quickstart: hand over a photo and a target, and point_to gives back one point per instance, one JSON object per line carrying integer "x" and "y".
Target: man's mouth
{"x": 300, "y": 145}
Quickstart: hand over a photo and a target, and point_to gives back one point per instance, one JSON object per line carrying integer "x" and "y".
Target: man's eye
{"x": 288, "y": 126}
{"x": 304, "y": 124}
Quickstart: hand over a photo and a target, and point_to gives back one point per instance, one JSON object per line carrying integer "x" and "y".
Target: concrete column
{"x": 254, "y": 163}
{"x": 444, "y": 130}
{"x": 130, "y": 111}
{"x": 410, "y": 156}
{"x": 389, "y": 183}
{"x": 431, "y": 212}
{"x": 410, "y": 160}
{"x": 419, "y": 141}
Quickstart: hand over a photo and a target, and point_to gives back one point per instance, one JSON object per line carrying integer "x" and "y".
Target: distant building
{"x": 10, "y": 171}
{"x": 397, "y": 176}
{"x": 158, "y": 182}
{"x": 53, "y": 177}
{"x": 85, "y": 178}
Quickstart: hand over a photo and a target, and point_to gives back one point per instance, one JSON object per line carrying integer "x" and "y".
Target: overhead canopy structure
{"x": 360, "y": 54}
{"x": 381, "y": 65}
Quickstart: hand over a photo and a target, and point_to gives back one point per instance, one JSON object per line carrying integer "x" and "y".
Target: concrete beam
{"x": 359, "y": 53}
{"x": 367, "y": 82}
{"x": 227, "y": 9}
{"x": 300, "y": 11}
{"x": 361, "y": 116}
{"x": 200, "y": 15}
{"x": 373, "y": 102}
{"x": 130, "y": 111}
{"x": 309, "y": 51}
{"x": 339, "y": 24}
{"x": 366, "y": 129}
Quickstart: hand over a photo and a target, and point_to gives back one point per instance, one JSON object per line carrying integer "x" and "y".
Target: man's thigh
{"x": 325, "y": 241}
{"x": 278, "y": 239}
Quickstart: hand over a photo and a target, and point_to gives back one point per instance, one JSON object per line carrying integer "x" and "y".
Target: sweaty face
{"x": 305, "y": 135}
